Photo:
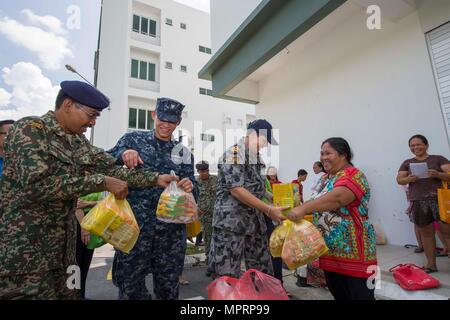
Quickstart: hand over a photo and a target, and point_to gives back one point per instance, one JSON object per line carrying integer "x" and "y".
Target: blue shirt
{"x": 1, "y": 166}
{"x": 159, "y": 156}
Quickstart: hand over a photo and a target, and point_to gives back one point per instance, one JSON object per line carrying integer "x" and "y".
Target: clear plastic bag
{"x": 114, "y": 221}
{"x": 303, "y": 244}
{"x": 176, "y": 206}
{"x": 277, "y": 238}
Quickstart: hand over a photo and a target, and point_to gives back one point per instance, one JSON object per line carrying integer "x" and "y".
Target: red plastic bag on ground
{"x": 223, "y": 288}
{"x": 253, "y": 285}
{"x": 411, "y": 277}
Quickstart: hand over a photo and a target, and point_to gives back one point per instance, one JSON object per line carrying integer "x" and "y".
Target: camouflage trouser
{"x": 159, "y": 251}
{"x": 50, "y": 285}
{"x": 229, "y": 248}
{"x": 207, "y": 235}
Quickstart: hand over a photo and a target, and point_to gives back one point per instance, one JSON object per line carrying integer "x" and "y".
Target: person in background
{"x": 301, "y": 177}
{"x": 341, "y": 214}
{"x": 207, "y": 185}
{"x": 4, "y": 126}
{"x": 423, "y": 196}
{"x": 272, "y": 176}
{"x": 83, "y": 253}
{"x": 319, "y": 171}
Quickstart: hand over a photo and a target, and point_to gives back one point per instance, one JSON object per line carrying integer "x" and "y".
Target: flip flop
{"x": 429, "y": 270}
{"x": 184, "y": 282}
{"x": 418, "y": 250}
{"x": 441, "y": 254}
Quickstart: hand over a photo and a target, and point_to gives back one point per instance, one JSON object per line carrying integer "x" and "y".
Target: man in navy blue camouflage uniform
{"x": 161, "y": 246}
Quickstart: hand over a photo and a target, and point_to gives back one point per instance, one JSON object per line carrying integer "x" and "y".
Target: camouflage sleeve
{"x": 187, "y": 171}
{"x": 28, "y": 146}
{"x": 108, "y": 165}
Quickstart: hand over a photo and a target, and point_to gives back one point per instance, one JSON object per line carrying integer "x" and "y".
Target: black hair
{"x": 320, "y": 165}
{"x": 301, "y": 172}
{"x": 418, "y": 136}
{"x": 60, "y": 99}
{"x": 5, "y": 122}
{"x": 341, "y": 146}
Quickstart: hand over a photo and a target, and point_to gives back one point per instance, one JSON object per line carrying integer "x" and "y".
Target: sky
{"x": 37, "y": 39}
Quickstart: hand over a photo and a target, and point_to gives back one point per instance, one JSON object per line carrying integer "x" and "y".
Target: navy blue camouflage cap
{"x": 262, "y": 126}
{"x": 85, "y": 94}
{"x": 169, "y": 110}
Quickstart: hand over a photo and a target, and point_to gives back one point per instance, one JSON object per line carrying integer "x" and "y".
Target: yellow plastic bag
{"x": 277, "y": 238}
{"x": 176, "y": 206}
{"x": 114, "y": 221}
{"x": 193, "y": 229}
{"x": 286, "y": 195}
{"x": 444, "y": 202}
{"x": 303, "y": 244}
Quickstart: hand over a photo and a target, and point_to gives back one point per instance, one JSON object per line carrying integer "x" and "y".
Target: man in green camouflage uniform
{"x": 48, "y": 165}
{"x": 207, "y": 185}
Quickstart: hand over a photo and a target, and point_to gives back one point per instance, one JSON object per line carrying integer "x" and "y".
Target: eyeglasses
{"x": 91, "y": 116}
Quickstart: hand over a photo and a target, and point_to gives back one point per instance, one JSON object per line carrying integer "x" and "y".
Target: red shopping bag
{"x": 223, "y": 288}
{"x": 253, "y": 285}
{"x": 412, "y": 277}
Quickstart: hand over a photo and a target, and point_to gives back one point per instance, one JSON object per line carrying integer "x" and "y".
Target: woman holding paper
{"x": 424, "y": 174}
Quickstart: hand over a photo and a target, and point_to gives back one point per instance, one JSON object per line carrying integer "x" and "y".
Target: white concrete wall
{"x": 374, "y": 88}
{"x": 227, "y": 16}
{"x": 181, "y": 47}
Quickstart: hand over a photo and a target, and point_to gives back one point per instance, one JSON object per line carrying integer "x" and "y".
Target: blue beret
{"x": 169, "y": 110}
{"x": 85, "y": 94}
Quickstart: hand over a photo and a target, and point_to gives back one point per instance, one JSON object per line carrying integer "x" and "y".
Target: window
{"x": 205, "y": 91}
{"x": 140, "y": 119}
{"x": 169, "y": 21}
{"x": 204, "y": 49}
{"x": 143, "y": 70}
{"x": 136, "y": 23}
{"x": 183, "y": 25}
{"x": 168, "y": 65}
{"x": 132, "y": 118}
{"x": 134, "y": 68}
{"x": 207, "y": 137}
{"x": 183, "y": 68}
{"x": 151, "y": 72}
{"x": 152, "y": 30}
{"x": 144, "y": 26}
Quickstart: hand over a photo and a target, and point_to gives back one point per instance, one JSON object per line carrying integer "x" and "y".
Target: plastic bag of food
{"x": 286, "y": 195}
{"x": 114, "y": 221}
{"x": 95, "y": 242}
{"x": 304, "y": 243}
{"x": 277, "y": 238}
{"x": 176, "y": 206}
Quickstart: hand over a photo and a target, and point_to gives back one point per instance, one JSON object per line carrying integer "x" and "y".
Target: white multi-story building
{"x": 155, "y": 48}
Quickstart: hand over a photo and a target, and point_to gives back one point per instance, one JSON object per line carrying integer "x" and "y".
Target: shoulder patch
{"x": 36, "y": 124}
